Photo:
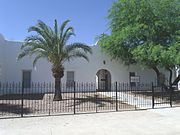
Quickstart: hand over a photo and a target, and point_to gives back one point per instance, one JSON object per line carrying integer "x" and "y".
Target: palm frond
{"x": 34, "y": 45}
{"x": 34, "y": 39}
{"x": 37, "y": 58}
{"x": 62, "y": 27}
{"x": 42, "y": 30}
{"x": 45, "y": 28}
{"x": 24, "y": 53}
{"x": 56, "y": 28}
{"x": 67, "y": 34}
{"x": 77, "y": 54}
{"x": 78, "y": 46}
{"x": 51, "y": 44}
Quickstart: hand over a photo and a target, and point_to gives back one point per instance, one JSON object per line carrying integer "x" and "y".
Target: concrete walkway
{"x": 138, "y": 101}
{"x": 148, "y": 122}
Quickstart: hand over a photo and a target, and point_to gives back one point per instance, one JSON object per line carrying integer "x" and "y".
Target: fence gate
{"x": 161, "y": 97}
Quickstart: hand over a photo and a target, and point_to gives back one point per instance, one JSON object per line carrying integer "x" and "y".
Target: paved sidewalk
{"x": 138, "y": 101}
{"x": 148, "y": 122}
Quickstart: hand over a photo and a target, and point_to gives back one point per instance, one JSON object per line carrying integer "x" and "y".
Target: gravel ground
{"x": 43, "y": 104}
{"x": 149, "y": 122}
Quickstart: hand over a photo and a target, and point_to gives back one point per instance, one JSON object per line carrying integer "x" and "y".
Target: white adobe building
{"x": 99, "y": 69}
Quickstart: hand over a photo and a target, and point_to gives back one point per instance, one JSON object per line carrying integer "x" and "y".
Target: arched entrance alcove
{"x": 103, "y": 80}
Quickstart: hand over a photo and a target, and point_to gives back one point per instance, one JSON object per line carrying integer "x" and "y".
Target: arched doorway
{"x": 103, "y": 80}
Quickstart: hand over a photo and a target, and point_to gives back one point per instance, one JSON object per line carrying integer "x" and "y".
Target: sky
{"x": 88, "y": 17}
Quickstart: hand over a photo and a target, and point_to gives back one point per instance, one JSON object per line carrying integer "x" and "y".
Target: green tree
{"x": 149, "y": 55}
{"x": 170, "y": 59}
{"x": 52, "y": 44}
{"x": 141, "y": 25}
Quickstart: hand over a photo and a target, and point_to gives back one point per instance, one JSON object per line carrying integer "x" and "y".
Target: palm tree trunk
{"x": 57, "y": 95}
{"x": 58, "y": 73}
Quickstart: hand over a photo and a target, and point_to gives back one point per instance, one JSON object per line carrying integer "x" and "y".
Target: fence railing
{"x": 37, "y": 99}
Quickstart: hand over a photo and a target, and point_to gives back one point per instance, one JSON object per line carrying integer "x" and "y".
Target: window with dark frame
{"x": 70, "y": 79}
{"x": 26, "y": 78}
{"x": 130, "y": 75}
{"x": 0, "y": 70}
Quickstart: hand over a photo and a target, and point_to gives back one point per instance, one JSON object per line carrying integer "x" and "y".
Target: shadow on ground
{"x": 15, "y": 109}
{"x": 96, "y": 100}
{"x": 19, "y": 97}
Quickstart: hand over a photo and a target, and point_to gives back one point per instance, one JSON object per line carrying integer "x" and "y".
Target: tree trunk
{"x": 170, "y": 76}
{"x": 176, "y": 80}
{"x": 57, "y": 94}
{"x": 157, "y": 74}
{"x": 58, "y": 73}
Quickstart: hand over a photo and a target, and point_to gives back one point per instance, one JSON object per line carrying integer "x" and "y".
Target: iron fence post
{"x": 162, "y": 94}
{"x": 96, "y": 96}
{"x": 152, "y": 96}
{"x": 22, "y": 99}
{"x": 116, "y": 98}
{"x": 171, "y": 94}
{"x": 49, "y": 105}
{"x": 74, "y": 97}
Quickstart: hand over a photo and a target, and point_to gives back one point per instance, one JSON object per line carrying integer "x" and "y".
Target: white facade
{"x": 2, "y": 43}
{"x": 11, "y": 69}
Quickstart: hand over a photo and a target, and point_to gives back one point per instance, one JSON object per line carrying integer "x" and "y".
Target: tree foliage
{"x": 144, "y": 32}
{"x": 52, "y": 45}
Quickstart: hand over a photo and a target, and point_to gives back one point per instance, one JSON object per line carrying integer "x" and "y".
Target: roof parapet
{"x": 1, "y": 37}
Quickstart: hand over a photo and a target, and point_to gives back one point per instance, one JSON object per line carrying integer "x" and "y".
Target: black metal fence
{"x": 37, "y": 99}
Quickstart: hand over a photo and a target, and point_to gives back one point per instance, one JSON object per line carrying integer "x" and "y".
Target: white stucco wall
{"x": 2, "y": 43}
{"x": 12, "y": 69}
{"x": 84, "y": 71}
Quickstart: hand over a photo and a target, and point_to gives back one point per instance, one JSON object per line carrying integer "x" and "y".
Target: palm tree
{"x": 51, "y": 44}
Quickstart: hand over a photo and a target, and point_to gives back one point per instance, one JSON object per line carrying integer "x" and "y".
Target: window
{"x": 26, "y": 78}
{"x": 131, "y": 74}
{"x": 70, "y": 79}
{"x": 0, "y": 70}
